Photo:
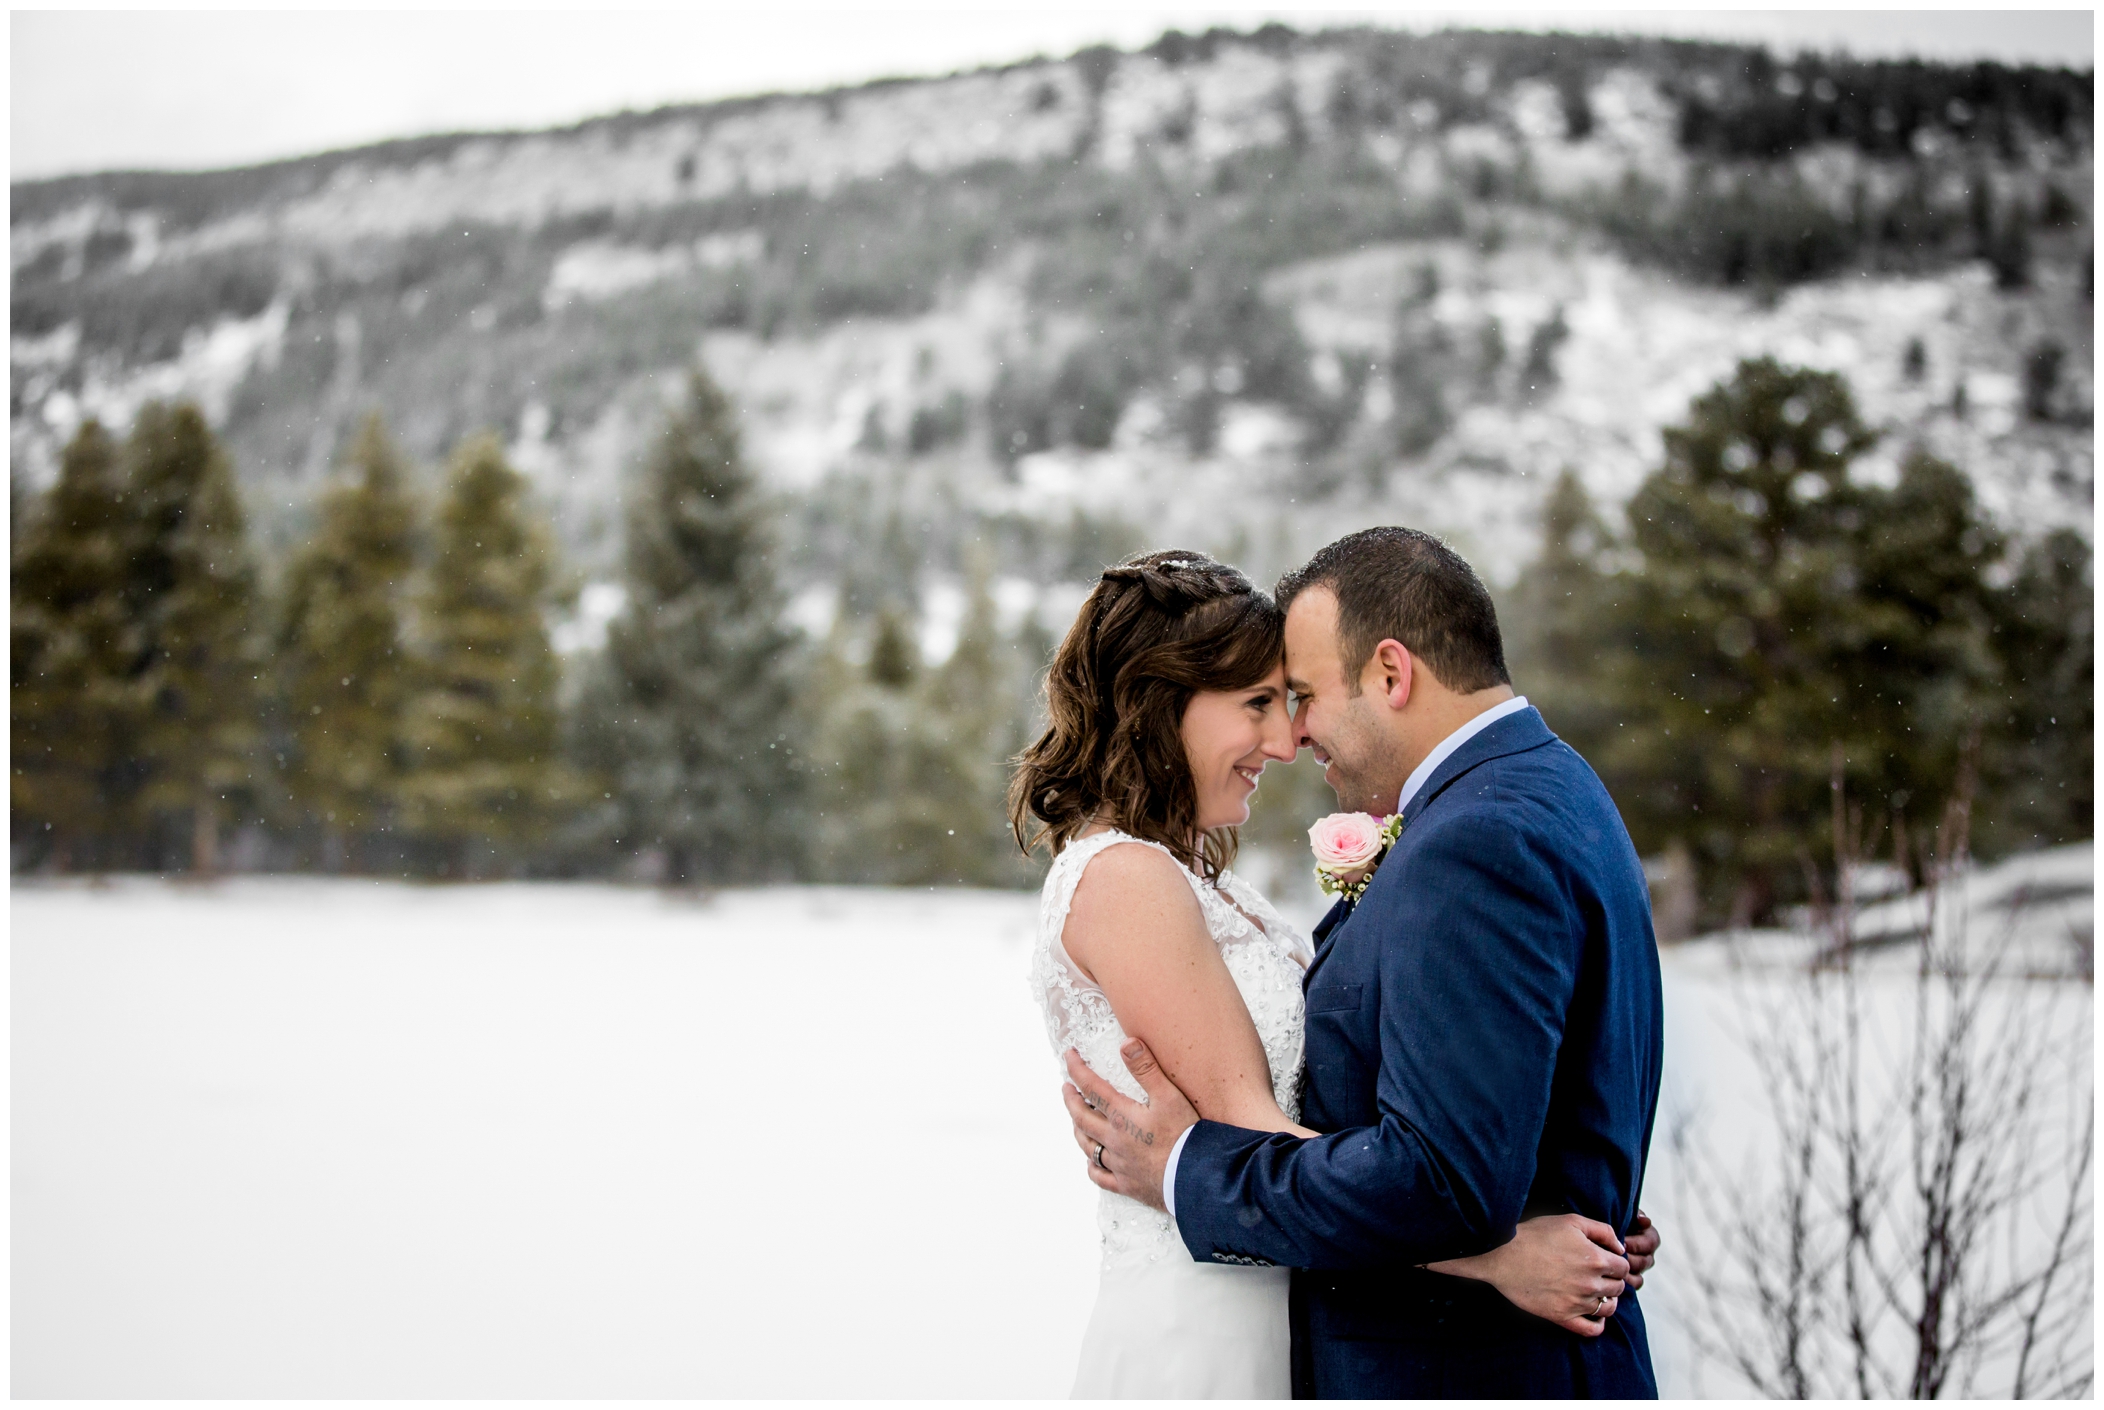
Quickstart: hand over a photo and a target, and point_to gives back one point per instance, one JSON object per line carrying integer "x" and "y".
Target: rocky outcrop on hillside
{"x": 1239, "y": 290}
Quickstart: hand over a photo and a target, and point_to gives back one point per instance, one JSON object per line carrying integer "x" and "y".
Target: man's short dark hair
{"x": 1407, "y": 585}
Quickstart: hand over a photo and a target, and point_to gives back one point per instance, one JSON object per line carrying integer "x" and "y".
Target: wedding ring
{"x": 1598, "y": 1307}
{"x": 1099, "y": 1158}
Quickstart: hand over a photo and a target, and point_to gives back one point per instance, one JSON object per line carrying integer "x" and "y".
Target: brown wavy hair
{"x": 1158, "y": 629}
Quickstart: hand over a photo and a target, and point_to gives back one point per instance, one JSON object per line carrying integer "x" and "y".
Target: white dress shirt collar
{"x": 1444, "y": 750}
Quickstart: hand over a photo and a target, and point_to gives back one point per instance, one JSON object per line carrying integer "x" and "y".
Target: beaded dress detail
{"x": 1266, "y": 957}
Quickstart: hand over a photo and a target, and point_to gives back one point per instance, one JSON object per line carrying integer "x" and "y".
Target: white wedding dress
{"x": 1166, "y": 1326}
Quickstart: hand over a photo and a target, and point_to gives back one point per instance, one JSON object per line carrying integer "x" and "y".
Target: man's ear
{"x": 1392, "y": 670}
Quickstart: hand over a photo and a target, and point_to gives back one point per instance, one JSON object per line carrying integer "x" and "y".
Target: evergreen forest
{"x": 392, "y": 703}
{"x": 695, "y": 497}
{"x": 389, "y": 701}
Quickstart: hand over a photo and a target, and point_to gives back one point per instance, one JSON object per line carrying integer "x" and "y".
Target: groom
{"x": 1483, "y": 1025}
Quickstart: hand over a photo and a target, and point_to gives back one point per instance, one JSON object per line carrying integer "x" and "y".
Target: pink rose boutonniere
{"x": 1348, "y": 846}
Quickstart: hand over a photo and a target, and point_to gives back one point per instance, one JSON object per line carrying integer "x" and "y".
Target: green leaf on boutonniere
{"x": 1354, "y": 886}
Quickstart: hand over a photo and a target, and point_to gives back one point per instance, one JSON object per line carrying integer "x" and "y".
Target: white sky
{"x": 174, "y": 89}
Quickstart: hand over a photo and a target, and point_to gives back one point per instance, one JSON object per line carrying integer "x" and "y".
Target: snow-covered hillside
{"x": 872, "y": 270}
{"x": 1641, "y": 346}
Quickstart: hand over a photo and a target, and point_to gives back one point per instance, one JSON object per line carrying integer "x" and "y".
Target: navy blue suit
{"x": 1483, "y": 1044}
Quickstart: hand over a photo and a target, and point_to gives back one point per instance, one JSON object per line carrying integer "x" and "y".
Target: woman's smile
{"x": 1229, "y": 737}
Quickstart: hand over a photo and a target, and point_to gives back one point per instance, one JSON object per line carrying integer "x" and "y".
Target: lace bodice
{"x": 1266, "y": 957}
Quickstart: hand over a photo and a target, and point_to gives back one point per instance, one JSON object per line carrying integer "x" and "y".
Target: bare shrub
{"x": 1917, "y": 1221}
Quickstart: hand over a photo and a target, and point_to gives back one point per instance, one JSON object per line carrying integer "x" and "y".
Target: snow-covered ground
{"x": 310, "y": 1138}
{"x": 297, "y": 1138}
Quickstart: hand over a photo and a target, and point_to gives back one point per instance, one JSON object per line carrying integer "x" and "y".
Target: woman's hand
{"x": 1562, "y": 1268}
{"x": 1641, "y": 1249}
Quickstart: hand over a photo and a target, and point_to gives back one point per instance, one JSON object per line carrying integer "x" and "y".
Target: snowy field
{"x": 340, "y": 1139}
{"x": 284, "y": 1138}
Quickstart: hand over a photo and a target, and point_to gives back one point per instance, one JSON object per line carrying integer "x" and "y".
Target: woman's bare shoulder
{"x": 1128, "y": 887}
{"x": 1129, "y": 870}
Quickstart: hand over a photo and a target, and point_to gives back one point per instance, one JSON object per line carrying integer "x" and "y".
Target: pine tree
{"x": 887, "y": 794}
{"x": 1538, "y": 375}
{"x": 75, "y": 652}
{"x": 1560, "y": 656}
{"x": 865, "y": 728}
{"x": 342, "y": 661}
{"x": 193, "y": 592}
{"x": 2009, "y": 252}
{"x": 1914, "y": 647}
{"x": 596, "y": 837}
{"x": 482, "y": 728}
{"x": 894, "y": 659}
{"x": 910, "y": 762}
{"x": 970, "y": 704}
{"x": 1419, "y": 362}
{"x": 2038, "y": 758}
{"x": 2042, "y": 368}
{"x": 710, "y": 768}
{"x": 1783, "y": 608}
{"x": 840, "y": 774}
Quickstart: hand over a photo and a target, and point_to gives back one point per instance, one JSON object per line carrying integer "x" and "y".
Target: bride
{"x": 1166, "y": 699}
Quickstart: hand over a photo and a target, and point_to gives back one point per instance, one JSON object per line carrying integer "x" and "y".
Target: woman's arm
{"x": 1563, "y": 1268}
{"x": 1136, "y": 930}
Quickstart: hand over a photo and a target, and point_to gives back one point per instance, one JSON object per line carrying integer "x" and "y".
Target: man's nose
{"x": 1282, "y": 741}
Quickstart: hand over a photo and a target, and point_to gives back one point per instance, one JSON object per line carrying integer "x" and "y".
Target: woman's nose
{"x": 1282, "y": 740}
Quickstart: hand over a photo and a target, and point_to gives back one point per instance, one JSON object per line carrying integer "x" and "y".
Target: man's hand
{"x": 1127, "y": 1144}
{"x": 1642, "y": 1249}
{"x": 1565, "y": 1269}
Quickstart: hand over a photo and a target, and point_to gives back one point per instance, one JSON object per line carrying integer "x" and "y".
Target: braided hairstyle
{"x": 1158, "y": 629}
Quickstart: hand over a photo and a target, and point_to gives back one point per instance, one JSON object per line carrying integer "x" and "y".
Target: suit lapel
{"x": 1515, "y": 734}
{"x": 1326, "y": 937}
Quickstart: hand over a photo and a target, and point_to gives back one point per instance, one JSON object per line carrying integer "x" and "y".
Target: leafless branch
{"x": 1918, "y": 1225}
